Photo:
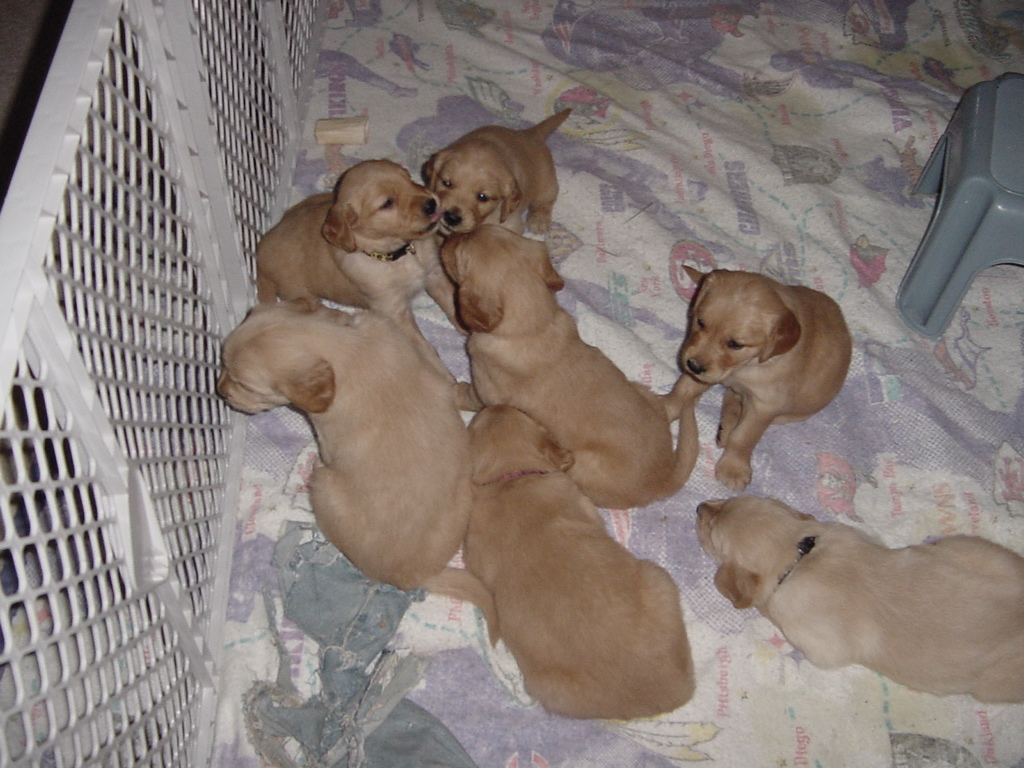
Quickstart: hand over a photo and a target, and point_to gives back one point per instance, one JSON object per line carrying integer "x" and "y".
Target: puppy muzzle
{"x": 694, "y": 367}
{"x": 451, "y": 220}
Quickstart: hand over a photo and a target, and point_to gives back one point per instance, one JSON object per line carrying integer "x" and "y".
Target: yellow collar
{"x": 393, "y": 255}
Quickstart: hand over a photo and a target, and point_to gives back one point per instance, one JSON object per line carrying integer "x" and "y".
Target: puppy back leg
{"x": 538, "y": 217}
{"x": 463, "y": 585}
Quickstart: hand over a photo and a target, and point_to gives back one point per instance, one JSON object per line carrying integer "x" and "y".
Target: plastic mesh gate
{"x": 150, "y": 170}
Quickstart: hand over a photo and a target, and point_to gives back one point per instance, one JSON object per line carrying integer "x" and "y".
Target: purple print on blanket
{"x": 251, "y": 568}
{"x": 365, "y": 13}
{"x": 337, "y": 67}
{"x": 820, "y": 71}
{"x": 659, "y": 44}
{"x": 649, "y": 46}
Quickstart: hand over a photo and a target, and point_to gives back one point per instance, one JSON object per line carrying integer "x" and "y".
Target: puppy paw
{"x": 538, "y": 222}
{"x": 733, "y": 472}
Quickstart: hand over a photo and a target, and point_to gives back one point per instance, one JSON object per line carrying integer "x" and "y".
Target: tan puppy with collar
{"x": 781, "y": 351}
{"x": 494, "y": 174}
{"x": 597, "y": 633}
{"x": 944, "y": 618}
{"x": 369, "y": 243}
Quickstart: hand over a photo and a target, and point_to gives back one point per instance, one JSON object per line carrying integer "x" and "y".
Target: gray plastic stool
{"x": 977, "y": 169}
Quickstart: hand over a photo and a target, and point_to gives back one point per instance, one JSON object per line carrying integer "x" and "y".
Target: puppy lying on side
{"x": 493, "y": 174}
{"x": 525, "y": 351}
{"x": 393, "y": 490}
{"x": 596, "y": 632}
{"x": 943, "y": 618}
{"x": 781, "y": 351}
{"x": 369, "y": 243}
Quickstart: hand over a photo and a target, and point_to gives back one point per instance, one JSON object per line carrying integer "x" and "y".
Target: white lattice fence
{"x": 151, "y": 168}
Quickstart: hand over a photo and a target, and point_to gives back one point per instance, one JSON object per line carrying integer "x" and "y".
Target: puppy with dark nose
{"x": 781, "y": 352}
{"x": 944, "y": 618}
{"x": 370, "y": 243}
{"x": 496, "y": 174}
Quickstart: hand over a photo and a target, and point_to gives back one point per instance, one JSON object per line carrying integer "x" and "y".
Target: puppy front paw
{"x": 733, "y": 471}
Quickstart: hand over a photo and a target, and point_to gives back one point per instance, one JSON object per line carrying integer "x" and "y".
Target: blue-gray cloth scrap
{"x": 360, "y": 718}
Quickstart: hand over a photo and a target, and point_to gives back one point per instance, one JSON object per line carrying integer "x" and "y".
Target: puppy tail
{"x": 463, "y": 585}
{"x": 684, "y": 395}
{"x": 688, "y": 443}
{"x": 549, "y": 125}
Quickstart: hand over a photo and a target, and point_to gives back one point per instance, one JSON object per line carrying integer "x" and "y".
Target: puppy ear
{"x": 695, "y": 274}
{"x": 428, "y": 168}
{"x": 513, "y": 196}
{"x": 738, "y": 584}
{"x": 450, "y": 256}
{"x": 704, "y": 281}
{"x": 311, "y": 390}
{"x": 478, "y": 313}
{"x": 783, "y": 338}
{"x": 552, "y": 279}
{"x": 556, "y": 454}
{"x": 337, "y": 227}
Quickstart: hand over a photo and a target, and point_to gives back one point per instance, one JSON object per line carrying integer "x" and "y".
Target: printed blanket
{"x": 782, "y": 137}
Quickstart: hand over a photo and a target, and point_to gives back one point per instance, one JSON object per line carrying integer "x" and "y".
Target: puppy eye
{"x": 446, "y": 183}
{"x": 387, "y": 203}
{"x": 482, "y": 197}
{"x": 733, "y": 344}
{"x": 700, "y": 323}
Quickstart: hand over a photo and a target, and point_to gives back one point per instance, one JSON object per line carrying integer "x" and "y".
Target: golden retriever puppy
{"x": 494, "y": 174}
{"x": 596, "y": 632}
{"x": 526, "y": 351}
{"x": 782, "y": 352}
{"x": 369, "y": 243}
{"x": 392, "y": 491}
{"x": 944, "y": 618}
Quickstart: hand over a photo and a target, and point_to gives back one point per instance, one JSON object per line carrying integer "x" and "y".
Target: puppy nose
{"x": 452, "y": 218}
{"x": 430, "y": 207}
{"x": 694, "y": 367}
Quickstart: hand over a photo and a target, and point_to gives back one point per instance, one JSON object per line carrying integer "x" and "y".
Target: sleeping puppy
{"x": 942, "y": 618}
{"x": 526, "y": 351}
{"x": 392, "y": 491}
{"x": 596, "y": 632}
{"x": 493, "y": 174}
{"x": 369, "y": 243}
{"x": 781, "y": 351}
